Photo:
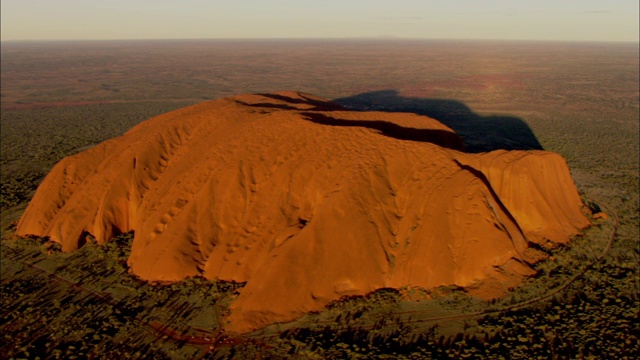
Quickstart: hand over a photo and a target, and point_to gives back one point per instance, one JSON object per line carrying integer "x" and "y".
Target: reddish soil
{"x": 45, "y": 105}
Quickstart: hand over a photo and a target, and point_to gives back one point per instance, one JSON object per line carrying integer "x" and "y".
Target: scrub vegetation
{"x": 579, "y": 100}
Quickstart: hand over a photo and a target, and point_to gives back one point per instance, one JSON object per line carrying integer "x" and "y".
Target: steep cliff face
{"x": 307, "y": 202}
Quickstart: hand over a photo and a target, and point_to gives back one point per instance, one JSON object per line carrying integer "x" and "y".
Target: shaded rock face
{"x": 307, "y": 202}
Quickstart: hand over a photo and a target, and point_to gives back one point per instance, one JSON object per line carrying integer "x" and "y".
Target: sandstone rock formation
{"x": 307, "y": 202}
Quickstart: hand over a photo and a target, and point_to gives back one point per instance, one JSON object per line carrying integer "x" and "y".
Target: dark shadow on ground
{"x": 479, "y": 133}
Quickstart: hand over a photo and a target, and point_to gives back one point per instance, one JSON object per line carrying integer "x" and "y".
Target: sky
{"x": 563, "y": 20}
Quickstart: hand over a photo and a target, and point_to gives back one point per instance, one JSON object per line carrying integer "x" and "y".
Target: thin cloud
{"x": 597, "y": 11}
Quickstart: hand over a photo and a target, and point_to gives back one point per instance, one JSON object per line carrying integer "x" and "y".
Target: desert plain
{"x": 579, "y": 100}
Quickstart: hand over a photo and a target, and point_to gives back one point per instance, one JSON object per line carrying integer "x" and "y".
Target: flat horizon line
{"x": 374, "y": 38}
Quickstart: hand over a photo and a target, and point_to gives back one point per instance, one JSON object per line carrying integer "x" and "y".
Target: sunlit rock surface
{"x": 307, "y": 202}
